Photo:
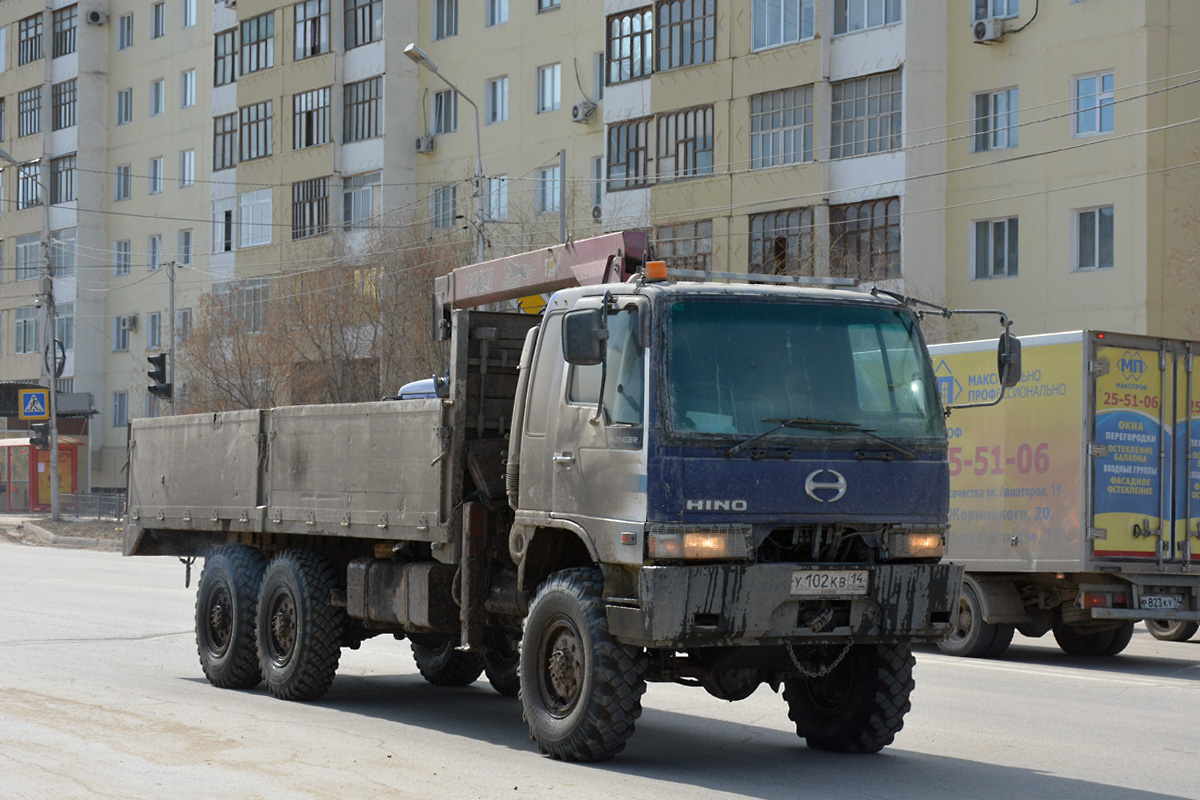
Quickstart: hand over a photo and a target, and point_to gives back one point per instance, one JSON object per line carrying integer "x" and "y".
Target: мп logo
{"x": 1132, "y": 366}
{"x": 948, "y": 387}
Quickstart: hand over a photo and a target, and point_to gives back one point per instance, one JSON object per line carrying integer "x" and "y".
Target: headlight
{"x": 699, "y": 542}
{"x": 919, "y": 543}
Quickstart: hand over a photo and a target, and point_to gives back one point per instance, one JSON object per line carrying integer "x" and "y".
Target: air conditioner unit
{"x": 597, "y": 213}
{"x": 582, "y": 111}
{"x": 96, "y": 17}
{"x": 988, "y": 29}
{"x": 129, "y": 322}
{"x": 425, "y": 143}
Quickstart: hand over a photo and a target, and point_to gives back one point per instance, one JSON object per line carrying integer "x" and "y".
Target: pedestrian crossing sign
{"x": 35, "y": 404}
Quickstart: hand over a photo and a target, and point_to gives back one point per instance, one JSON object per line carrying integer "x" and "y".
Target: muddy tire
{"x": 581, "y": 691}
{"x": 226, "y": 607}
{"x": 860, "y": 705}
{"x": 1073, "y": 642}
{"x": 1121, "y": 638}
{"x": 502, "y": 662}
{"x": 1174, "y": 631}
{"x": 299, "y": 632}
{"x": 442, "y": 665}
{"x": 971, "y": 636}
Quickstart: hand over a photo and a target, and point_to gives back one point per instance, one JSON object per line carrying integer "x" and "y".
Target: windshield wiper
{"x": 808, "y": 423}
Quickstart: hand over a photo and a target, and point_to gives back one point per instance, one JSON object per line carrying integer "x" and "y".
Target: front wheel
{"x": 859, "y": 705}
{"x": 581, "y": 691}
{"x": 1174, "y": 631}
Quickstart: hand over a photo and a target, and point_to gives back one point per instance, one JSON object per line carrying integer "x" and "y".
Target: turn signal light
{"x": 916, "y": 544}
{"x": 701, "y": 543}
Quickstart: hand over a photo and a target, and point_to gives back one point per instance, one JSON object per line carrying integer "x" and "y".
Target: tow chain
{"x": 820, "y": 673}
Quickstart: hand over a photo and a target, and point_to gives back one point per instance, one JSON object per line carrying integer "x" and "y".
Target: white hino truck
{"x": 715, "y": 484}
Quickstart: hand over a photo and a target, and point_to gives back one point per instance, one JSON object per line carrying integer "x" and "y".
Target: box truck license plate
{"x": 1161, "y": 602}
{"x": 829, "y": 582}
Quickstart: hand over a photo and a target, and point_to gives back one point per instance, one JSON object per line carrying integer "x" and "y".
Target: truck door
{"x": 1132, "y": 432}
{"x": 542, "y": 405}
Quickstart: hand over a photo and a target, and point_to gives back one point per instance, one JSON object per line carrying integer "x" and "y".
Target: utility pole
{"x": 171, "y": 340}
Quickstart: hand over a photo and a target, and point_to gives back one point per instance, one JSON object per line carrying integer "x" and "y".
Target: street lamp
{"x": 50, "y": 362}
{"x": 419, "y": 57}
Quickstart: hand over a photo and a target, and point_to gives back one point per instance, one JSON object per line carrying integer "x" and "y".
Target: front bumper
{"x": 728, "y": 604}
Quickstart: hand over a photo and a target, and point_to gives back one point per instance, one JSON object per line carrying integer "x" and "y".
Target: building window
{"x": 158, "y": 97}
{"x": 548, "y": 5}
{"x": 121, "y": 328}
{"x": 154, "y": 330}
{"x": 189, "y": 13}
{"x": 183, "y": 324}
{"x": 995, "y": 123}
{"x": 686, "y": 245}
{"x": 1092, "y": 104}
{"x": 125, "y": 106}
{"x": 445, "y": 19}
{"x": 62, "y": 179}
{"x": 26, "y": 339}
{"x": 30, "y": 33}
{"x": 187, "y": 88}
{"x": 64, "y": 325}
{"x": 158, "y": 21}
{"x": 445, "y": 111}
{"x": 597, "y": 188}
{"x": 629, "y": 154}
{"x": 65, "y": 22}
{"x": 781, "y": 242}
{"x": 865, "y": 240}
{"x": 310, "y": 118}
{"x": 496, "y": 198}
{"x": 442, "y": 203}
{"x": 685, "y": 143}
{"x": 777, "y": 22}
{"x": 312, "y": 28}
{"x": 358, "y": 200}
{"x": 29, "y": 256}
{"x": 121, "y": 253}
{"x": 125, "y": 32}
{"x": 254, "y": 130}
{"x": 250, "y": 302}
{"x": 224, "y": 141}
{"x": 781, "y": 127}
{"x": 364, "y": 22}
{"x": 686, "y": 32}
{"x": 1094, "y": 238}
{"x": 29, "y": 186}
{"x": 547, "y": 188}
{"x": 496, "y": 101}
{"x": 1001, "y": 9}
{"x": 255, "y": 224}
{"x": 995, "y": 248}
{"x": 155, "y": 176}
{"x": 154, "y": 255}
{"x": 120, "y": 400}
{"x": 361, "y": 118}
{"x": 630, "y": 45}
{"x": 858, "y": 15}
{"x": 224, "y": 211}
{"x": 29, "y": 111}
{"x": 62, "y": 253}
{"x": 549, "y": 89}
{"x": 62, "y": 99}
{"x": 310, "y": 208}
{"x": 225, "y": 57}
{"x": 123, "y": 182}
{"x": 866, "y": 115}
{"x": 184, "y": 247}
{"x": 258, "y": 43}
{"x": 497, "y": 12}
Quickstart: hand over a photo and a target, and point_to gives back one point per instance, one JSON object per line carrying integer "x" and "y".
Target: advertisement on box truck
{"x": 1075, "y": 505}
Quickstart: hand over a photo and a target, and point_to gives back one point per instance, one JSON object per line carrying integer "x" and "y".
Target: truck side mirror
{"x": 1008, "y": 360}
{"x": 585, "y": 337}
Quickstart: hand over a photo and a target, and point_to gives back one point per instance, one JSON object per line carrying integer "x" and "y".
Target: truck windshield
{"x": 738, "y": 368}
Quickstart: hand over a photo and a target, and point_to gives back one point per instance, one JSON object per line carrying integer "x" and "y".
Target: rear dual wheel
{"x": 1076, "y": 642}
{"x": 1175, "y": 631}
{"x": 226, "y": 612}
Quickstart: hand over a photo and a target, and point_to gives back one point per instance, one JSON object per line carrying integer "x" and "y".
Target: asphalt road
{"x": 101, "y": 695}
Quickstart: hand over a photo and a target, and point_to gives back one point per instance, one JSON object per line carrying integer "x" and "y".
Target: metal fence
{"x": 97, "y": 506}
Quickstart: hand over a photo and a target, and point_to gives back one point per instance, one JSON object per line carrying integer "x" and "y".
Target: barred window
{"x": 686, "y": 32}
{"x": 62, "y": 98}
{"x": 312, "y": 28}
{"x": 866, "y": 115}
{"x": 29, "y": 185}
{"x": 62, "y": 179}
{"x": 685, "y": 245}
{"x": 685, "y": 143}
{"x": 258, "y": 43}
{"x": 364, "y": 22}
{"x": 310, "y": 118}
{"x": 29, "y": 111}
{"x": 865, "y": 239}
{"x": 781, "y": 242}
{"x": 225, "y": 57}
{"x": 310, "y": 208}
{"x": 442, "y": 202}
{"x": 30, "y": 31}
{"x": 781, "y": 127}
{"x": 224, "y": 141}
{"x": 255, "y": 131}
{"x": 629, "y": 154}
{"x": 630, "y": 45}
{"x": 361, "y": 114}
{"x": 29, "y": 256}
{"x": 65, "y": 21}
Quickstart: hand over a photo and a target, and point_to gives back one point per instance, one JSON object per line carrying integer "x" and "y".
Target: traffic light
{"x": 158, "y": 376}
{"x": 41, "y": 434}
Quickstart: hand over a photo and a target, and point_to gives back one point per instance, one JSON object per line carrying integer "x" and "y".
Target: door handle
{"x": 564, "y": 458}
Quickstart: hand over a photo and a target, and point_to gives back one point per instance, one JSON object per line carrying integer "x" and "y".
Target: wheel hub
{"x": 283, "y": 629}
{"x": 220, "y": 621}
{"x": 564, "y": 669}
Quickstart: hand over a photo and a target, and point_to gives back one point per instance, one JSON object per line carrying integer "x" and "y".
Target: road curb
{"x": 46, "y": 537}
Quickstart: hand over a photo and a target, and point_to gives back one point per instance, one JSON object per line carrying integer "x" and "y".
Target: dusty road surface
{"x": 101, "y": 696}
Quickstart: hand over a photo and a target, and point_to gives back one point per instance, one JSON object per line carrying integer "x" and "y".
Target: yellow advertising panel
{"x": 1187, "y": 484}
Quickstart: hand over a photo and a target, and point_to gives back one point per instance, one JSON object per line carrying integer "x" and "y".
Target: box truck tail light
{"x": 1104, "y": 600}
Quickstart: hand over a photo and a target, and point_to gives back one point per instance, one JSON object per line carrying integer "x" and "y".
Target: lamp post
{"x": 422, "y": 60}
{"x": 50, "y": 362}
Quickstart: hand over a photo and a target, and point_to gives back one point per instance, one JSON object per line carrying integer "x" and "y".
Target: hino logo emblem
{"x": 717, "y": 505}
{"x": 837, "y": 485}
